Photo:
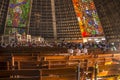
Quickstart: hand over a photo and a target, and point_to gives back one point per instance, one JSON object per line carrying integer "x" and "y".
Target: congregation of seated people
{"x": 103, "y": 46}
{"x": 79, "y": 47}
{"x": 77, "y": 51}
{"x": 14, "y": 44}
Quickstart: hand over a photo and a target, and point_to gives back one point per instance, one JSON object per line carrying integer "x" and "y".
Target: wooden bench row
{"x": 56, "y": 57}
{"x": 55, "y": 61}
{"x": 44, "y": 74}
{"x": 48, "y": 74}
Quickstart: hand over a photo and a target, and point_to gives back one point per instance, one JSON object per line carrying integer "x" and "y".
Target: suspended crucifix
{"x": 37, "y": 19}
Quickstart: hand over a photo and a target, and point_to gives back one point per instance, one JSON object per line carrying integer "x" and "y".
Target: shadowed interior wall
{"x": 109, "y": 13}
{"x": 3, "y": 13}
{"x": 54, "y": 20}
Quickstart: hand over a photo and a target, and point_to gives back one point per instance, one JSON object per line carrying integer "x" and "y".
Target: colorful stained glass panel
{"x": 88, "y": 18}
{"x": 18, "y": 14}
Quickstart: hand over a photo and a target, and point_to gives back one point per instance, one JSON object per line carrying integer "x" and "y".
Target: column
{"x": 54, "y": 19}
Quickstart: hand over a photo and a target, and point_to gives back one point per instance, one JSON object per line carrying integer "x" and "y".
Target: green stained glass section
{"x": 18, "y": 15}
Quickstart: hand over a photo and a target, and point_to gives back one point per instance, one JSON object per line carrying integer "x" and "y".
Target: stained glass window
{"x": 88, "y": 18}
{"x": 18, "y": 16}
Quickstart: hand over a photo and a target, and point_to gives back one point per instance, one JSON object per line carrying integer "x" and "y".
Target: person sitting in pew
{"x": 85, "y": 50}
{"x": 3, "y": 45}
{"x": 77, "y": 51}
{"x": 70, "y": 51}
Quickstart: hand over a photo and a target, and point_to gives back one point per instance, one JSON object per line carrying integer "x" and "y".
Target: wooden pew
{"x": 59, "y": 74}
{"x": 28, "y": 78}
{"x": 25, "y": 58}
{"x": 64, "y": 61}
{"x": 44, "y": 74}
{"x": 52, "y": 61}
{"x": 19, "y": 74}
{"x": 59, "y": 71}
{"x": 116, "y": 55}
{"x": 80, "y": 57}
{"x": 108, "y": 74}
{"x": 59, "y": 78}
{"x": 58, "y": 67}
{"x": 18, "y": 61}
{"x": 105, "y": 55}
{"x": 109, "y": 67}
{"x": 55, "y": 57}
{"x": 45, "y": 64}
{"x": 5, "y": 58}
{"x": 29, "y": 65}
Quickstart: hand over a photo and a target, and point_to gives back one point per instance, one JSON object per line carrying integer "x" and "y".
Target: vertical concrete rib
{"x": 54, "y": 19}
{"x": 28, "y": 25}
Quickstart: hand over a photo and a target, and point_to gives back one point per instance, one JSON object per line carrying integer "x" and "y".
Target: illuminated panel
{"x": 17, "y": 17}
{"x": 88, "y": 18}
